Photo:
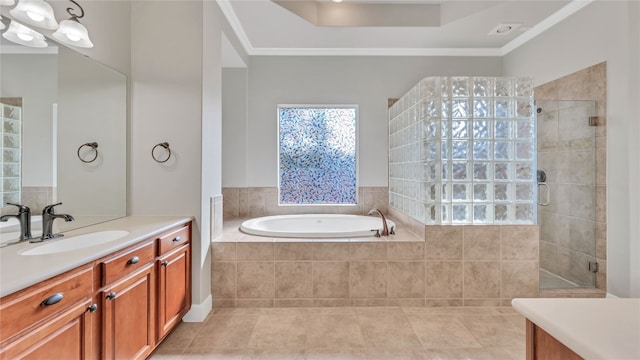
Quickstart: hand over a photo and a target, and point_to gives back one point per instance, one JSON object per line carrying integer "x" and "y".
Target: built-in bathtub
{"x": 315, "y": 226}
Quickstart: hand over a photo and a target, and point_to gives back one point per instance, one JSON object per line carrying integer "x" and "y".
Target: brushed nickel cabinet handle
{"x": 133, "y": 260}
{"x": 111, "y": 295}
{"x": 52, "y": 300}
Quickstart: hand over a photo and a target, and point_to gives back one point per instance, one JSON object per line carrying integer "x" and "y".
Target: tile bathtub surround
{"x": 263, "y": 201}
{"x": 350, "y": 333}
{"x": 35, "y": 197}
{"x": 454, "y": 266}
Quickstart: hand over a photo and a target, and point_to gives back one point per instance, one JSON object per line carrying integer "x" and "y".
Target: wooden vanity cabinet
{"x": 542, "y": 346}
{"x": 52, "y": 319}
{"x": 118, "y": 307}
{"x": 174, "y": 276}
{"x": 128, "y": 299}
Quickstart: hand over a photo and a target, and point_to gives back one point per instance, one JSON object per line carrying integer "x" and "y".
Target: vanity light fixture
{"x": 35, "y": 13}
{"x": 71, "y": 32}
{"x": 23, "y": 35}
{"x": 7, "y": 2}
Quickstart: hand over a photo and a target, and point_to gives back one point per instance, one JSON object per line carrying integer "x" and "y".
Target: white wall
{"x": 602, "y": 31}
{"x": 234, "y": 127}
{"x": 366, "y": 81}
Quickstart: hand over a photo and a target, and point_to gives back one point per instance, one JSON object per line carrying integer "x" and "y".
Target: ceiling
{"x": 391, "y": 28}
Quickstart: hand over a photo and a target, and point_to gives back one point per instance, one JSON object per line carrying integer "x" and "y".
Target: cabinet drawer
{"x": 127, "y": 262}
{"x": 42, "y": 300}
{"x": 174, "y": 239}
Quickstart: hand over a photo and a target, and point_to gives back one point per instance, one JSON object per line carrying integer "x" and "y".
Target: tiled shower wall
{"x": 263, "y": 201}
{"x": 452, "y": 266}
{"x": 562, "y": 249}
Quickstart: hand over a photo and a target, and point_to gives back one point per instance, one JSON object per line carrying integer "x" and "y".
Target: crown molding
{"x": 566, "y": 11}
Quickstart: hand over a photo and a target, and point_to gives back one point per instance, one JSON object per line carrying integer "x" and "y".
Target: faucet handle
{"x": 21, "y": 208}
{"x": 49, "y": 208}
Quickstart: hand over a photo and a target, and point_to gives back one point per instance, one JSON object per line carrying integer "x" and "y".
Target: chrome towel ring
{"x": 94, "y": 147}
{"x": 164, "y": 145}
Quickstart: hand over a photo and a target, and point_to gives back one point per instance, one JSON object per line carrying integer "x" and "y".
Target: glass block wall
{"x": 462, "y": 150}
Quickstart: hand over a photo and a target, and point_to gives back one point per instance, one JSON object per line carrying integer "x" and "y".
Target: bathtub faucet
{"x": 385, "y": 228}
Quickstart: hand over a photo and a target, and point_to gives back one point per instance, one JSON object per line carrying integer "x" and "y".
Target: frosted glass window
{"x": 317, "y": 154}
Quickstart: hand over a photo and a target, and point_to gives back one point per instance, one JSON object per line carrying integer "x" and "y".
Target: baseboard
{"x": 200, "y": 311}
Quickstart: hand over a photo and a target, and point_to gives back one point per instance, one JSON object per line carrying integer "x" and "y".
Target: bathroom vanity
{"x": 567, "y": 329}
{"x": 111, "y": 300}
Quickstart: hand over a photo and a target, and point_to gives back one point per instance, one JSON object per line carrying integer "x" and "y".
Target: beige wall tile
{"x": 223, "y": 280}
{"x": 405, "y": 250}
{"x": 331, "y": 251}
{"x": 243, "y": 202}
{"x": 548, "y": 91}
{"x": 331, "y": 302}
{"x": 254, "y": 251}
{"x": 368, "y": 251}
{"x": 256, "y": 202}
{"x": 255, "y": 280}
{"x": 482, "y": 302}
{"x": 223, "y": 251}
{"x": 369, "y": 302}
{"x": 231, "y": 204}
{"x": 368, "y": 279}
{"x": 224, "y": 303}
{"x": 443, "y": 302}
{"x": 601, "y": 240}
{"x": 293, "y": 280}
{"x": 406, "y": 302}
{"x": 481, "y": 242}
{"x": 601, "y": 275}
{"x": 293, "y": 251}
{"x": 254, "y": 303}
{"x": 481, "y": 279}
{"x": 601, "y": 203}
{"x": 520, "y": 242}
{"x": 405, "y": 279}
{"x": 443, "y": 242}
{"x": 520, "y": 279}
{"x": 330, "y": 279}
{"x": 443, "y": 279}
{"x": 549, "y": 256}
{"x": 293, "y": 303}
{"x": 575, "y": 86}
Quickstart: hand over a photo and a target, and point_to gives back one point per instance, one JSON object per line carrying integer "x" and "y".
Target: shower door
{"x": 566, "y": 193}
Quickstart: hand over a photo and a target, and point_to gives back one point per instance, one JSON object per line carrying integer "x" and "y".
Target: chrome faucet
{"x": 48, "y": 215}
{"x": 24, "y": 217}
{"x": 385, "y": 228}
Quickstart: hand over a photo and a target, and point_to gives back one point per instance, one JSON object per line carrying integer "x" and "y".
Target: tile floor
{"x": 350, "y": 333}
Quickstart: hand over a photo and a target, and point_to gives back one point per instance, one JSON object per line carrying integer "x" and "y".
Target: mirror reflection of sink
{"x": 75, "y": 242}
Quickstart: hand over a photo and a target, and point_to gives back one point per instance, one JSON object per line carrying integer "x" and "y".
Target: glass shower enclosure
{"x": 567, "y": 193}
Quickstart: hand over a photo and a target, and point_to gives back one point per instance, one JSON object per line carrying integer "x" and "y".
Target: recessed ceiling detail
{"x": 322, "y": 13}
{"x": 462, "y": 27}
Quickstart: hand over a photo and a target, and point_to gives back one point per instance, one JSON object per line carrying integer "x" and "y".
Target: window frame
{"x": 357, "y": 145}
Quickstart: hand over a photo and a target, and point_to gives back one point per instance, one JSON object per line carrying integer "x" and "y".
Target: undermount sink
{"x": 75, "y": 242}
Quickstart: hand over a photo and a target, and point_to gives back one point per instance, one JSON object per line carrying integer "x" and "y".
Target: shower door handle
{"x": 545, "y": 186}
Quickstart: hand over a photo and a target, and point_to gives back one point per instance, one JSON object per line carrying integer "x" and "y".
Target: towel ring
{"x": 94, "y": 147}
{"x": 165, "y": 145}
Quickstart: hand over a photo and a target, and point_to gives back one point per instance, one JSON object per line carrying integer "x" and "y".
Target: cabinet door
{"x": 174, "y": 289}
{"x": 66, "y": 336}
{"x": 128, "y": 316}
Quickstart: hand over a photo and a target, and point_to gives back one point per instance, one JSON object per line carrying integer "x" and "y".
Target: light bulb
{"x": 25, "y": 37}
{"x": 35, "y": 17}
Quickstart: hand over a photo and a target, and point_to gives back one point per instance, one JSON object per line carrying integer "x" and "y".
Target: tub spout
{"x": 385, "y": 228}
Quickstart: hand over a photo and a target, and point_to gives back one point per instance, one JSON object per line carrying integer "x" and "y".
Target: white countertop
{"x": 592, "y": 328}
{"x": 19, "y": 271}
